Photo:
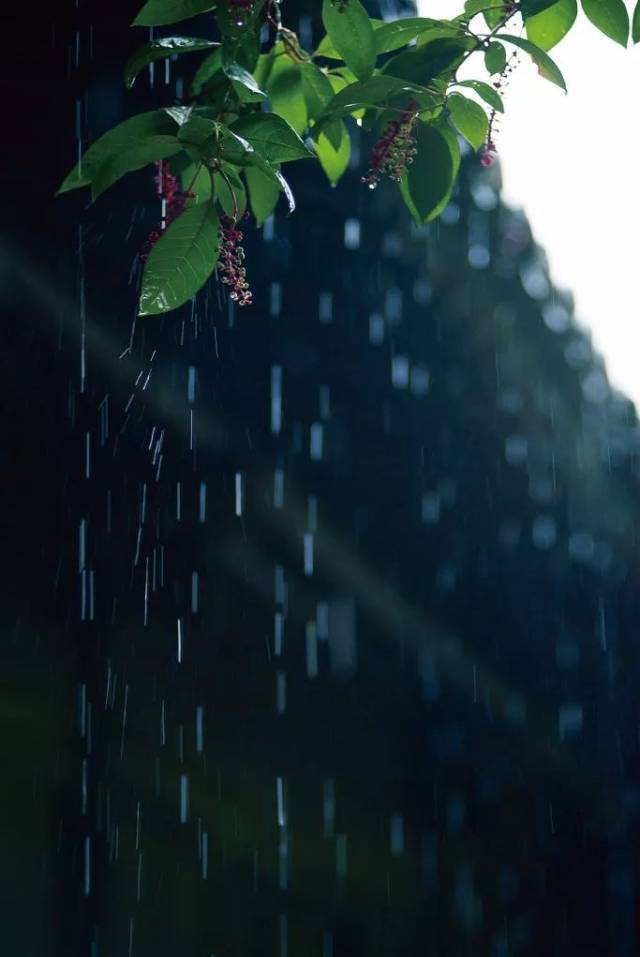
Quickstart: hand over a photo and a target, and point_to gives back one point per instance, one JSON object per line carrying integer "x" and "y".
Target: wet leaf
{"x": 181, "y": 261}
{"x": 272, "y": 137}
{"x": 487, "y": 92}
{"x": 352, "y": 35}
{"x": 391, "y": 36}
{"x": 263, "y": 194}
{"x": 127, "y": 137}
{"x": 546, "y": 66}
{"x": 610, "y": 17}
{"x": 128, "y": 160}
{"x": 160, "y": 49}
{"x": 546, "y": 29}
{"x": 286, "y": 92}
{"x": 157, "y": 13}
{"x": 334, "y": 159}
{"x": 430, "y": 178}
{"x": 469, "y": 119}
{"x": 495, "y": 58}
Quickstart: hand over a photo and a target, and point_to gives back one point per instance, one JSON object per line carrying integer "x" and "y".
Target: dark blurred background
{"x": 319, "y": 617}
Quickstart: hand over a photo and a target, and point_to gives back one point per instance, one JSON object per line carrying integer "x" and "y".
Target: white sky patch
{"x": 572, "y": 163}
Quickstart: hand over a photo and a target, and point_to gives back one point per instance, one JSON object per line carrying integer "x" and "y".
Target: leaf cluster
{"x": 259, "y": 100}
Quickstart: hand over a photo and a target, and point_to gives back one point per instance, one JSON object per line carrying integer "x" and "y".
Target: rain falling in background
{"x": 323, "y": 636}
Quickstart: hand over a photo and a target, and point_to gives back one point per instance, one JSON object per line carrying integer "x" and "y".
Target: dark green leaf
{"x": 160, "y": 49}
{"x": 136, "y": 157}
{"x": 317, "y": 89}
{"x": 272, "y": 137}
{"x": 263, "y": 193}
{"x": 230, "y": 192}
{"x": 181, "y": 261}
{"x": 207, "y": 69}
{"x": 495, "y": 58}
{"x": 334, "y": 159}
{"x": 530, "y": 8}
{"x": 326, "y": 48}
{"x": 421, "y": 64}
{"x": 469, "y": 119}
{"x": 242, "y": 77}
{"x": 157, "y": 13}
{"x": 397, "y": 33}
{"x": 473, "y": 7}
{"x": 352, "y": 35}
{"x": 494, "y": 15}
{"x": 195, "y": 178}
{"x": 286, "y": 92}
{"x": 487, "y": 92}
{"x": 240, "y": 34}
{"x": 430, "y": 178}
{"x": 197, "y": 130}
{"x": 378, "y": 90}
{"x": 610, "y": 17}
{"x": 546, "y": 29}
{"x": 125, "y": 137}
{"x": 546, "y": 66}
{"x": 636, "y": 24}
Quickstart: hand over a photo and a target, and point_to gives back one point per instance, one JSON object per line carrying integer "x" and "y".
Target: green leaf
{"x": 422, "y": 64}
{"x": 284, "y": 188}
{"x": 136, "y": 157}
{"x": 157, "y": 13}
{"x": 126, "y": 137}
{"x": 230, "y": 192}
{"x": 207, "y": 69}
{"x": 546, "y": 66}
{"x": 197, "y": 131}
{"x": 610, "y": 17}
{"x": 242, "y": 77}
{"x": 334, "y": 151}
{"x": 272, "y": 137}
{"x": 431, "y": 176}
{"x": 469, "y": 119}
{"x": 316, "y": 87}
{"x": 473, "y": 7}
{"x": 636, "y": 24}
{"x": 160, "y": 49}
{"x": 181, "y": 261}
{"x": 495, "y": 58}
{"x": 530, "y": 8}
{"x": 195, "y": 178}
{"x": 397, "y": 33}
{"x": 378, "y": 90}
{"x": 352, "y": 35}
{"x": 546, "y": 29}
{"x": 263, "y": 193}
{"x": 487, "y": 92}
{"x": 286, "y": 92}
{"x": 326, "y": 48}
{"x": 494, "y": 15}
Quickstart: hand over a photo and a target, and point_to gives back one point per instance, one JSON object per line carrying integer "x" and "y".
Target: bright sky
{"x": 572, "y": 162}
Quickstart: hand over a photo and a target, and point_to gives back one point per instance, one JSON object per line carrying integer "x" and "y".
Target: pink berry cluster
{"x": 394, "y": 150}
{"x": 175, "y": 199}
{"x": 231, "y": 262}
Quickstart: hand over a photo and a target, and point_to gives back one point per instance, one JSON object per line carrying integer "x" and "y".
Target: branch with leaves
{"x": 258, "y": 100}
